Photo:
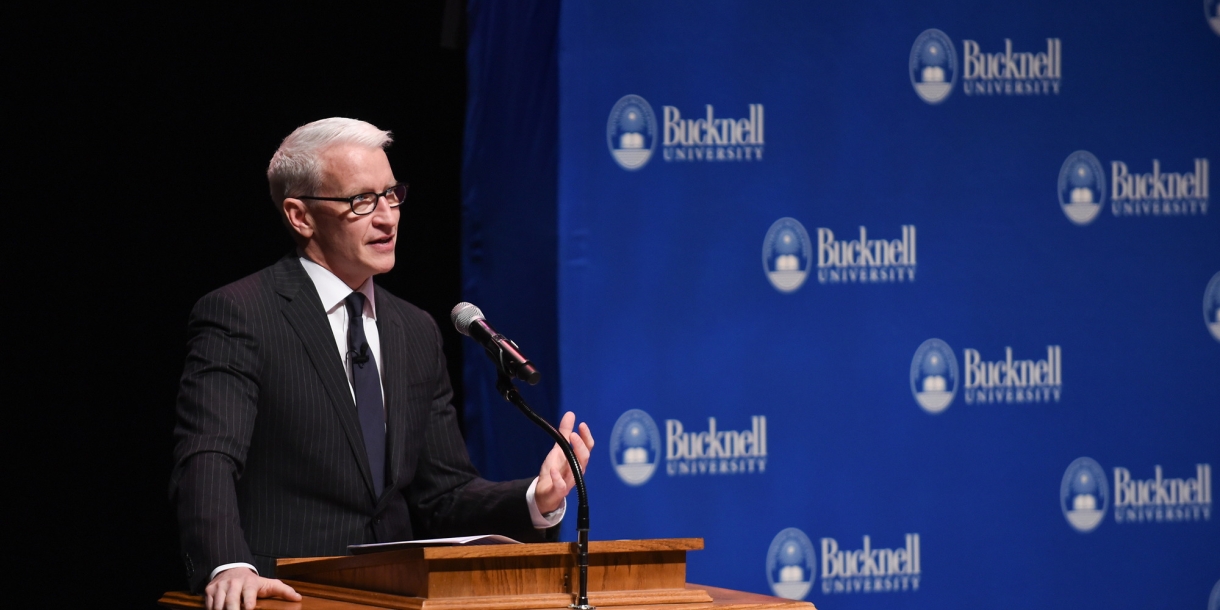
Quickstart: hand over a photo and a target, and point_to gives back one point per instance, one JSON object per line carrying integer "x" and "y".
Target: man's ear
{"x": 297, "y": 215}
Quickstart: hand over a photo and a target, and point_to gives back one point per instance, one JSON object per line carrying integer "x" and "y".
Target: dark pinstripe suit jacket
{"x": 269, "y": 455}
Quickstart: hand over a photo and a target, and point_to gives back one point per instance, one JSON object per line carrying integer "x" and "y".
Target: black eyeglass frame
{"x": 351, "y": 201}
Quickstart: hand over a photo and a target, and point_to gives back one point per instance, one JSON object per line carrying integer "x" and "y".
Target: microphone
{"x": 361, "y": 357}
{"x": 512, "y": 363}
{"x": 469, "y": 321}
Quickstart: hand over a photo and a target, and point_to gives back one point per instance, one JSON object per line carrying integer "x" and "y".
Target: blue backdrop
{"x": 896, "y": 305}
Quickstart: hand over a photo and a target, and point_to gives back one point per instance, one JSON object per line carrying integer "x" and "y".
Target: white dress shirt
{"x": 333, "y": 294}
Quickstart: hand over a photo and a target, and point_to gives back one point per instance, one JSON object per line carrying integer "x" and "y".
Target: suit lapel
{"x": 303, "y": 310}
{"x": 393, "y": 354}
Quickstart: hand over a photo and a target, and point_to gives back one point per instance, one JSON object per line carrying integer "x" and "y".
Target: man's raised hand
{"x": 555, "y": 478}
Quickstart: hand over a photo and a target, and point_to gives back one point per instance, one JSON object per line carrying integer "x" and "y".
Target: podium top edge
{"x": 287, "y": 568}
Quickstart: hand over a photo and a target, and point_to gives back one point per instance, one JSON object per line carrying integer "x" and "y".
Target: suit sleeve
{"x": 217, "y": 404}
{"x": 447, "y": 497}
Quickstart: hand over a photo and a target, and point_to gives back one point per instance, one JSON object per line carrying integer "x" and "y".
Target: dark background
{"x": 136, "y": 177}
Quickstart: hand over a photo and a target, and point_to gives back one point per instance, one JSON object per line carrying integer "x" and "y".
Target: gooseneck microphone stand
{"x": 504, "y": 385}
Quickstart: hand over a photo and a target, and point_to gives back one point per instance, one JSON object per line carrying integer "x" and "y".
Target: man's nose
{"x": 383, "y": 214}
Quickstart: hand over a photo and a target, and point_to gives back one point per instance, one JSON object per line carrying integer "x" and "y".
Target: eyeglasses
{"x": 365, "y": 203}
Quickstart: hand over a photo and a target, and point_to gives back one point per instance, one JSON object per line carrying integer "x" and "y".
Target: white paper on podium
{"x": 377, "y": 547}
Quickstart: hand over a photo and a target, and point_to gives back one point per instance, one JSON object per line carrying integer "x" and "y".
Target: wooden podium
{"x": 623, "y": 574}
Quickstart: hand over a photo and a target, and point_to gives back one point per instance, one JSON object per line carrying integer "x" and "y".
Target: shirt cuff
{"x": 540, "y": 520}
{"x": 229, "y": 566}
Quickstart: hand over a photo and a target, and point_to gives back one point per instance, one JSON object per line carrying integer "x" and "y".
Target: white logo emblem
{"x": 933, "y": 66}
{"x": 1211, "y": 9}
{"x": 1213, "y": 601}
{"x": 934, "y": 376}
{"x": 635, "y": 447}
{"x": 787, "y": 254}
{"x": 631, "y": 132}
{"x": 1211, "y": 306}
{"x": 1084, "y": 494}
{"x": 791, "y": 564}
{"x": 1082, "y": 187}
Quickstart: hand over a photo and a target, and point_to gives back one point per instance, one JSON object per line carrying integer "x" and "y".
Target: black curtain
{"x": 135, "y": 182}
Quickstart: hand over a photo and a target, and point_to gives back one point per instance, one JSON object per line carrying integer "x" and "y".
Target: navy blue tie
{"x": 367, "y": 384}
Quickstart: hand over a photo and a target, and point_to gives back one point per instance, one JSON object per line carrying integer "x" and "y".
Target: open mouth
{"x": 389, "y": 239}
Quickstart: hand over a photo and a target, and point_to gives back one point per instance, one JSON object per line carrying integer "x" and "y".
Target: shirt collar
{"x": 332, "y": 291}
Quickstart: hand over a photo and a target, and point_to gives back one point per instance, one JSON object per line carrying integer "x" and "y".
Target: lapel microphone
{"x": 359, "y": 359}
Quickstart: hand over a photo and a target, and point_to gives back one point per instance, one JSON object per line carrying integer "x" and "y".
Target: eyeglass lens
{"x": 367, "y": 202}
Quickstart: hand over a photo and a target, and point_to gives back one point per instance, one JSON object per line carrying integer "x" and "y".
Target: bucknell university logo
{"x": 933, "y": 66}
{"x": 1082, "y": 187}
{"x": 787, "y": 254}
{"x": 635, "y": 447}
{"x": 934, "y": 375}
{"x": 631, "y": 132}
{"x": 1211, "y": 306}
{"x": 791, "y": 564}
{"x": 1084, "y": 494}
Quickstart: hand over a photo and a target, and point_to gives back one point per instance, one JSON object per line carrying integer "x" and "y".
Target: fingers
{"x": 276, "y": 588}
{"x": 214, "y": 594}
{"x": 582, "y": 445}
{"x": 249, "y": 596}
{"x": 579, "y": 448}
{"x": 586, "y": 435}
{"x": 565, "y": 424}
{"x": 559, "y": 482}
{"x": 237, "y": 592}
{"x": 554, "y": 459}
{"x": 551, "y": 488}
{"x": 224, "y": 594}
{"x": 240, "y": 589}
{"x": 556, "y": 477}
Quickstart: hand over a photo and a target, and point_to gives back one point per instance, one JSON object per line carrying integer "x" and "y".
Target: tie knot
{"x": 355, "y": 304}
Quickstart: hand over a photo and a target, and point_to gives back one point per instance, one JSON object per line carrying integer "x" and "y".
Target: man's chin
{"x": 382, "y": 264}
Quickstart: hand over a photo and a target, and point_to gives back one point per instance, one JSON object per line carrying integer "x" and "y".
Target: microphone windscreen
{"x": 463, "y": 315}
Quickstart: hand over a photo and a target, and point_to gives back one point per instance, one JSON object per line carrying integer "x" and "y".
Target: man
{"x": 314, "y": 411}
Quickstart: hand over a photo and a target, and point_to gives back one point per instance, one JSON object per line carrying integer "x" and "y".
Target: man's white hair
{"x": 296, "y": 167}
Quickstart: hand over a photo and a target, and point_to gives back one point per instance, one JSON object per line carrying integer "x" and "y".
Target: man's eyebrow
{"x": 388, "y": 187}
